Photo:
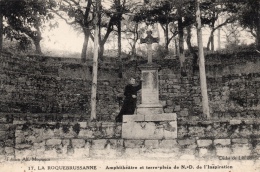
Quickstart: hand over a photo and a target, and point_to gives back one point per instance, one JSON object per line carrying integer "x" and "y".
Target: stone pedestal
{"x": 159, "y": 126}
{"x": 150, "y": 121}
{"x": 150, "y": 90}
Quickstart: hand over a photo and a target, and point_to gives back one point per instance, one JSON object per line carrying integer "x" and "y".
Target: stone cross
{"x": 149, "y": 40}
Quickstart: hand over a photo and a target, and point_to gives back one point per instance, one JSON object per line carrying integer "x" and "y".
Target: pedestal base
{"x": 149, "y": 109}
{"x": 157, "y": 126}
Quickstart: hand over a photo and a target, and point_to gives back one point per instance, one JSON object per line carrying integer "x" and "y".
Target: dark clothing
{"x": 129, "y": 104}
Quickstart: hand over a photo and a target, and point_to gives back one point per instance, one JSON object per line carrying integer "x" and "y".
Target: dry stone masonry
{"x": 44, "y": 100}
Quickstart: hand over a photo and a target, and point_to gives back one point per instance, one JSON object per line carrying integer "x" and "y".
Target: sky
{"x": 65, "y": 39}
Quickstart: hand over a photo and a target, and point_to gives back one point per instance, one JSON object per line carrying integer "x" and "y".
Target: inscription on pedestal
{"x": 150, "y": 87}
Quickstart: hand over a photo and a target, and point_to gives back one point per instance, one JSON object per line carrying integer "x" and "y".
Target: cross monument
{"x": 150, "y": 122}
{"x": 149, "y": 40}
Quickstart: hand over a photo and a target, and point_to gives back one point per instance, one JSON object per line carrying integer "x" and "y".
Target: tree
{"x": 250, "y": 18}
{"x": 1, "y": 30}
{"x": 211, "y": 13}
{"x": 78, "y": 14}
{"x": 203, "y": 82}
{"x": 132, "y": 35}
{"x": 27, "y": 17}
{"x": 108, "y": 19}
{"x": 93, "y": 115}
{"x": 162, "y": 12}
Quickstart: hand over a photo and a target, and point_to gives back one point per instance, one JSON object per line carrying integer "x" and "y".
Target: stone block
{"x": 78, "y": 143}
{"x": 86, "y": 133}
{"x": 108, "y": 124}
{"x": 19, "y": 140}
{"x": 23, "y": 146}
{"x": 161, "y": 117}
{"x": 223, "y": 151}
{"x": 204, "y": 143}
{"x": 133, "y": 143}
{"x": 168, "y": 144}
{"x": 184, "y": 113}
{"x": 132, "y": 152}
{"x": 9, "y": 143}
{"x": 241, "y": 150}
{"x": 177, "y": 108}
{"x": 235, "y": 121}
{"x": 108, "y": 153}
{"x": 2, "y": 158}
{"x": 83, "y": 124}
{"x": 168, "y": 110}
{"x": 65, "y": 142}
{"x": 2, "y": 150}
{"x": 162, "y": 126}
{"x": 3, "y": 119}
{"x": 163, "y": 103}
{"x": 51, "y": 153}
{"x": 2, "y": 135}
{"x": 151, "y": 144}
{"x": 223, "y": 142}
{"x": 150, "y": 109}
{"x": 141, "y": 130}
{"x": 108, "y": 131}
{"x": 240, "y": 141}
{"x": 160, "y": 153}
{"x": 169, "y": 102}
{"x": 24, "y": 153}
{"x": 81, "y": 152}
{"x": 203, "y": 152}
{"x": 99, "y": 144}
{"x": 133, "y": 118}
{"x": 170, "y": 130}
{"x": 53, "y": 142}
{"x": 116, "y": 143}
{"x": 6, "y": 127}
{"x": 9, "y": 150}
{"x": 48, "y": 134}
{"x": 185, "y": 142}
{"x": 38, "y": 145}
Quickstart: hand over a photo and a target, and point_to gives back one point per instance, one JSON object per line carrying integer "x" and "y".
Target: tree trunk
{"x": 1, "y": 31}
{"x": 176, "y": 47}
{"x": 120, "y": 72}
{"x": 181, "y": 46}
{"x": 85, "y": 46}
{"x": 38, "y": 49}
{"x": 101, "y": 51}
{"x": 188, "y": 39}
{"x": 212, "y": 43}
{"x": 258, "y": 29}
{"x": 192, "y": 51}
{"x": 37, "y": 39}
{"x": 203, "y": 82}
{"x": 166, "y": 35}
{"x": 181, "y": 40}
{"x": 135, "y": 40}
{"x": 209, "y": 41}
{"x": 93, "y": 115}
{"x": 219, "y": 46}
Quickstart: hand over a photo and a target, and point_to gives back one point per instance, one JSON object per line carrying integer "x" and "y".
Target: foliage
{"x": 234, "y": 48}
{"x": 25, "y": 20}
{"x": 160, "y": 52}
{"x": 250, "y": 14}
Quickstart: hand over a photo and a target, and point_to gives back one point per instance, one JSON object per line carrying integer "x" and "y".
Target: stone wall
{"x": 46, "y": 140}
{"x": 53, "y": 85}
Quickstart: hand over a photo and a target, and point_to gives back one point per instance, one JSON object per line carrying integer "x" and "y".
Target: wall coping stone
{"x": 204, "y": 143}
{"x": 223, "y": 142}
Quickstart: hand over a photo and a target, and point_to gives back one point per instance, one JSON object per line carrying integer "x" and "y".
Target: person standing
{"x": 129, "y": 104}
